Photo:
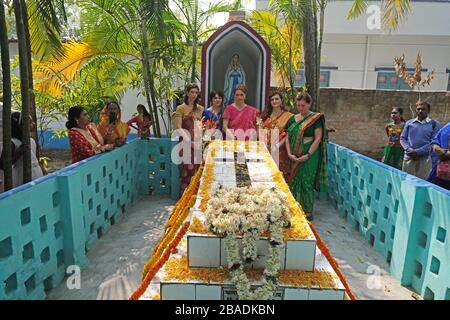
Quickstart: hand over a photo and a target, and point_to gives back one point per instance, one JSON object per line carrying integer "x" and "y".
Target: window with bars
{"x": 324, "y": 78}
{"x": 391, "y": 81}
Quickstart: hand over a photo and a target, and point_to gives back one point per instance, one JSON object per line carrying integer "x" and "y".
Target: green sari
{"x": 311, "y": 175}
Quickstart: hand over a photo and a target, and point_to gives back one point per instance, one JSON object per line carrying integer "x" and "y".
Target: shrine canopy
{"x": 254, "y": 56}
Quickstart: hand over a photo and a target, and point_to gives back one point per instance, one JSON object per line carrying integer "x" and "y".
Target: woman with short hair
{"x": 306, "y": 148}
{"x": 212, "y": 117}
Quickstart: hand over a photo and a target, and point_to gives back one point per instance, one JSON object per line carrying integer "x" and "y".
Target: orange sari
{"x": 279, "y": 123}
{"x": 121, "y": 129}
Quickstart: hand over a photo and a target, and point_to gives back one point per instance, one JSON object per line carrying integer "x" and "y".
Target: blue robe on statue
{"x": 235, "y": 75}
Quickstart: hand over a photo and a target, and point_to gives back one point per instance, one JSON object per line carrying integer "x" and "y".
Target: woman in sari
{"x": 239, "y": 118}
{"x": 441, "y": 147}
{"x": 393, "y": 151}
{"x": 187, "y": 117}
{"x": 275, "y": 119}
{"x": 307, "y": 150}
{"x": 85, "y": 140}
{"x": 111, "y": 126}
{"x": 212, "y": 117}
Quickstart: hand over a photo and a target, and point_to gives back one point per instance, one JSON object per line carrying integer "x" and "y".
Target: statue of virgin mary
{"x": 234, "y": 75}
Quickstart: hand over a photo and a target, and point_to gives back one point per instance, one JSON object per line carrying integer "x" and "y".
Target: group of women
{"x": 88, "y": 139}
{"x": 301, "y": 137}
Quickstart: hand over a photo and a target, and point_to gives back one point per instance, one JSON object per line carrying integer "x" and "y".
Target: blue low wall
{"x": 405, "y": 218}
{"x": 50, "y": 223}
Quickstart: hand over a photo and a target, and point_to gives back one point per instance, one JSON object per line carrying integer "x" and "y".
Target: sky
{"x": 222, "y": 18}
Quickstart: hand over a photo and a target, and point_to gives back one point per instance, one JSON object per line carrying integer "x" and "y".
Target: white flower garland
{"x": 251, "y": 211}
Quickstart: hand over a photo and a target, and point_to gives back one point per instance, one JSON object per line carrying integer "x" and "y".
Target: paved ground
{"x": 366, "y": 270}
{"x": 115, "y": 264}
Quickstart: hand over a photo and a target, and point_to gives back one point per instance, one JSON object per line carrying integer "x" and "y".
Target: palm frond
{"x": 394, "y": 12}
{"x": 52, "y": 74}
{"x": 45, "y": 18}
{"x": 357, "y": 9}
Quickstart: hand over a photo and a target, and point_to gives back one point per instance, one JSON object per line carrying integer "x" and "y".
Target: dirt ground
{"x": 58, "y": 158}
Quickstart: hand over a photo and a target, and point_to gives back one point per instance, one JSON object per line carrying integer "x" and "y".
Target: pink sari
{"x": 244, "y": 119}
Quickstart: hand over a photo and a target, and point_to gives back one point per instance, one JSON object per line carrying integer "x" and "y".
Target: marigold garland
{"x": 156, "y": 296}
{"x": 177, "y": 269}
{"x": 326, "y": 252}
{"x": 156, "y": 265}
{"x": 197, "y": 226}
{"x": 170, "y": 241}
{"x": 179, "y": 214}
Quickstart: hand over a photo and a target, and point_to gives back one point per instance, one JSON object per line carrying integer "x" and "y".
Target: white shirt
{"x": 427, "y": 119}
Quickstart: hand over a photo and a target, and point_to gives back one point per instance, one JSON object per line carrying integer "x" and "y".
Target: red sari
{"x": 84, "y": 143}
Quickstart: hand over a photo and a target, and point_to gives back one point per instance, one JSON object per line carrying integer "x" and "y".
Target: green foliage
{"x": 393, "y": 11}
{"x": 285, "y": 41}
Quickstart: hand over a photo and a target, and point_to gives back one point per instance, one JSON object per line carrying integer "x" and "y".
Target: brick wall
{"x": 359, "y": 116}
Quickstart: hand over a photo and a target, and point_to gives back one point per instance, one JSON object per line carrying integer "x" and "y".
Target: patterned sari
{"x": 279, "y": 123}
{"x": 393, "y": 151}
{"x": 190, "y": 121}
{"x": 311, "y": 175}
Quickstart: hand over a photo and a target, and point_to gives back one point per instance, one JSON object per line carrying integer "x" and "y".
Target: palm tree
{"x": 310, "y": 47}
{"x": 285, "y": 40}
{"x": 308, "y": 15}
{"x": 6, "y": 153}
{"x": 24, "y": 89}
{"x": 393, "y": 11}
{"x": 43, "y": 17}
{"x": 141, "y": 32}
{"x": 195, "y": 25}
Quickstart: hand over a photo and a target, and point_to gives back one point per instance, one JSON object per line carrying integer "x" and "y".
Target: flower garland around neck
{"x": 250, "y": 211}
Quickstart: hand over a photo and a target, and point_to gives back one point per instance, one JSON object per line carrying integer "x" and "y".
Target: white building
{"x": 358, "y": 54}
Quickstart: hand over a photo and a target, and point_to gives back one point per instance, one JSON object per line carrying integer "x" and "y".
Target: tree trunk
{"x": 194, "y": 41}
{"x": 319, "y": 49}
{"x": 310, "y": 51}
{"x": 6, "y": 152}
{"x": 24, "y": 90}
{"x": 316, "y": 40}
{"x": 153, "y": 95}
{"x": 33, "y": 113}
{"x": 145, "y": 56}
{"x": 194, "y": 58}
{"x": 291, "y": 92}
